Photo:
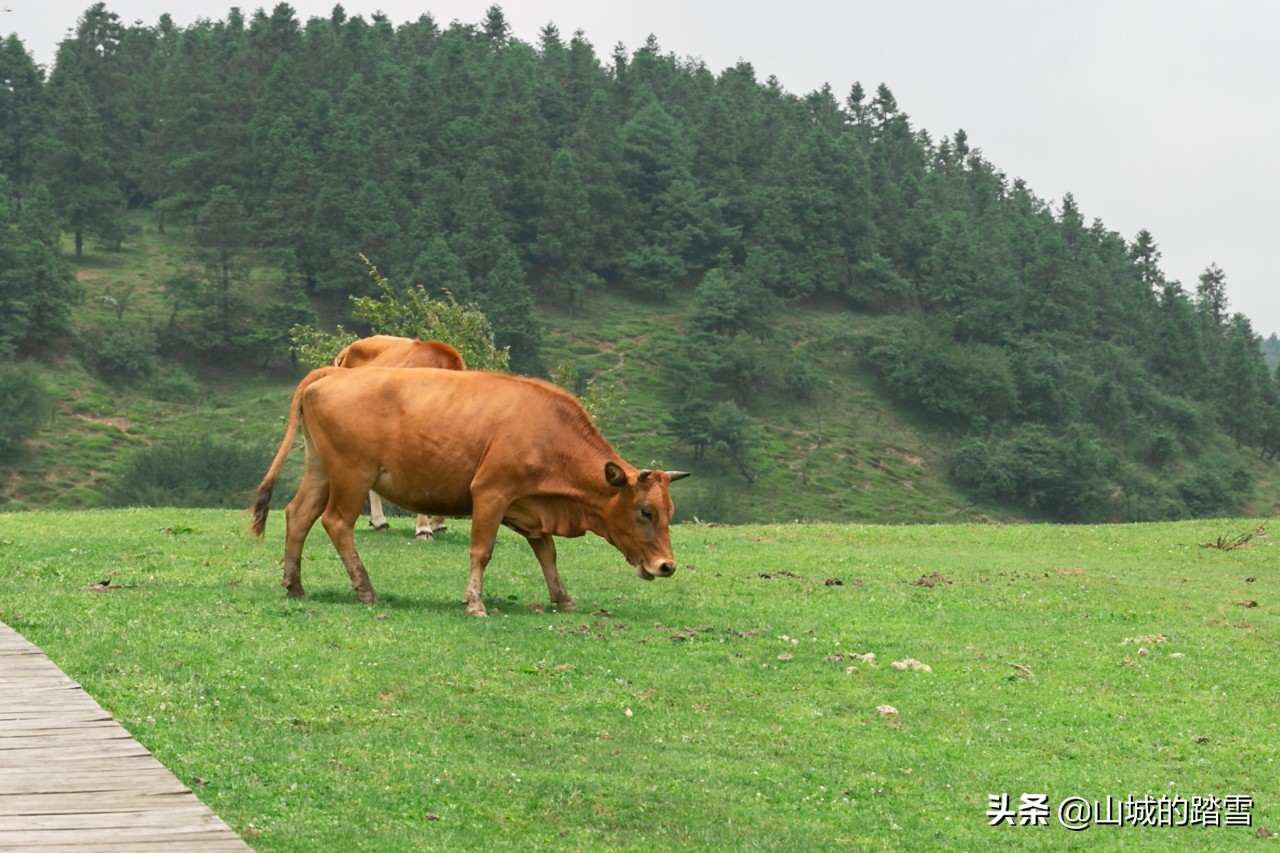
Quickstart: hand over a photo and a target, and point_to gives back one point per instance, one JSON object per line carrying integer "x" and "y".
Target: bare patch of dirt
{"x": 1147, "y": 640}
{"x": 930, "y": 581}
{"x": 122, "y": 424}
{"x": 905, "y": 456}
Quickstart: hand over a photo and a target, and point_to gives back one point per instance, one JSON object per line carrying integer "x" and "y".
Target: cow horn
{"x": 644, "y": 475}
{"x": 677, "y": 475}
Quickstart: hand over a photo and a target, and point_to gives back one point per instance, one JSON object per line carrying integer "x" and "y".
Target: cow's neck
{"x": 557, "y": 515}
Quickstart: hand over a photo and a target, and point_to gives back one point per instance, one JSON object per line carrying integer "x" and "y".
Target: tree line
{"x": 1062, "y": 364}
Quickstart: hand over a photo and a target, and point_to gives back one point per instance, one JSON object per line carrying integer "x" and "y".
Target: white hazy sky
{"x": 1155, "y": 114}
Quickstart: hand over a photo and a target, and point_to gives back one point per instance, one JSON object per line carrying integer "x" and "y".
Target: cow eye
{"x": 646, "y": 512}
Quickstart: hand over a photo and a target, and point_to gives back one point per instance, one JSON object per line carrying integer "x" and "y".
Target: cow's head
{"x": 637, "y": 517}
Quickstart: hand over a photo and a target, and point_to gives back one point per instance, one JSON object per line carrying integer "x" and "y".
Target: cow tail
{"x": 262, "y": 505}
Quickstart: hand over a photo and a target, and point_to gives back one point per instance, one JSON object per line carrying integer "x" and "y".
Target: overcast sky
{"x": 1155, "y": 114}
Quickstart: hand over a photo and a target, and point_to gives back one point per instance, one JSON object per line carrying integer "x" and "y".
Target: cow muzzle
{"x": 663, "y": 570}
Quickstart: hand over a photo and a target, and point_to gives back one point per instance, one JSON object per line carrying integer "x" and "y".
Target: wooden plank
{"x": 44, "y": 844}
{"x": 86, "y": 839}
{"x": 125, "y": 750}
{"x": 89, "y": 728}
{"x": 78, "y": 715}
{"x": 80, "y": 802}
{"x": 146, "y": 781}
{"x": 72, "y": 778}
{"x": 197, "y": 817}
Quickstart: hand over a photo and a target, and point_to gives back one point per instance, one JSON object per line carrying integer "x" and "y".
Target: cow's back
{"x": 392, "y": 351}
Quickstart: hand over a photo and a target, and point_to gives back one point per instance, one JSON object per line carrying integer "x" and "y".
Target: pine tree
{"x": 508, "y": 303}
{"x": 22, "y": 113}
{"x": 77, "y": 162}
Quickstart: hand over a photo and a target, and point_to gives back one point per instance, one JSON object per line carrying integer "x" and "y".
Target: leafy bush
{"x": 876, "y": 285}
{"x": 1159, "y": 448}
{"x": 416, "y": 315}
{"x": 1046, "y": 377}
{"x": 172, "y": 384}
{"x": 121, "y": 353}
{"x": 1209, "y": 493}
{"x": 800, "y": 379}
{"x": 1182, "y": 416}
{"x": 976, "y": 467}
{"x": 1065, "y": 477}
{"x": 954, "y": 383}
{"x": 25, "y": 406}
{"x": 192, "y": 473}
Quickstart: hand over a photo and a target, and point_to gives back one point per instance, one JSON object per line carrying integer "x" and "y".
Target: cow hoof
{"x": 369, "y": 597}
{"x": 295, "y": 594}
{"x": 566, "y": 606}
{"x": 476, "y": 610}
{"x": 383, "y": 526}
{"x": 441, "y": 530}
{"x": 424, "y": 535}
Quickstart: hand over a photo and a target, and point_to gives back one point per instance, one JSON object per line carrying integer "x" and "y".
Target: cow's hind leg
{"x": 484, "y": 532}
{"x": 377, "y": 518}
{"x": 300, "y": 516}
{"x": 544, "y": 548}
{"x": 428, "y": 527}
{"x": 339, "y": 520}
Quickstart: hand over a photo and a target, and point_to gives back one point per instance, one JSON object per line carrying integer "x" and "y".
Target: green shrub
{"x": 1066, "y": 477}
{"x": 172, "y": 384}
{"x": 121, "y": 353}
{"x": 954, "y": 383}
{"x": 192, "y": 473}
{"x": 800, "y": 379}
{"x": 1159, "y": 448}
{"x": 1209, "y": 493}
{"x": 25, "y": 406}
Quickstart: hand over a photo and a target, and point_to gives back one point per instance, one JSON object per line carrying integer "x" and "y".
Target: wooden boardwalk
{"x": 71, "y": 778}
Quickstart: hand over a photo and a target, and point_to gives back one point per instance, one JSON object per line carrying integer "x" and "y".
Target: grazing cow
{"x": 391, "y": 351}
{"x": 501, "y": 449}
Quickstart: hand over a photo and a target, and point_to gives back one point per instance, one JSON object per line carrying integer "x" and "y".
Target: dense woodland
{"x": 1064, "y": 373}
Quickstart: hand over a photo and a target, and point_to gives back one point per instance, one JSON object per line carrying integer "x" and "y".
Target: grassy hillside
{"x": 842, "y": 454}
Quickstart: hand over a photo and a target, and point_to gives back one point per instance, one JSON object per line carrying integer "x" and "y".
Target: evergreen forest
{"x": 748, "y": 268}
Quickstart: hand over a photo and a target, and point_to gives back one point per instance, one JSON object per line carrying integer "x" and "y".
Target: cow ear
{"x": 614, "y": 475}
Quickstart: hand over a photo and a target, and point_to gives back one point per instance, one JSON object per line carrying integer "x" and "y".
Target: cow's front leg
{"x": 544, "y": 548}
{"x": 338, "y": 525}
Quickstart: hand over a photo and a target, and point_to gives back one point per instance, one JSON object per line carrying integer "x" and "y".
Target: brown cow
{"x": 391, "y": 351}
{"x": 501, "y": 449}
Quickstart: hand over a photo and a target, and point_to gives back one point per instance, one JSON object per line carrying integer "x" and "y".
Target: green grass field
{"x": 729, "y": 707}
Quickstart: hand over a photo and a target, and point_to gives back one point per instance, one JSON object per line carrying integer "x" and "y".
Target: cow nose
{"x": 667, "y": 569}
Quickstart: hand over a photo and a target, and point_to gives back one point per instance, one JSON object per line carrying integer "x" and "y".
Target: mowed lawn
{"x": 736, "y": 705}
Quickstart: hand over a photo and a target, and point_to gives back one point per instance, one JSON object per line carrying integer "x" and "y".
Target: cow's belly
{"x": 424, "y": 497}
